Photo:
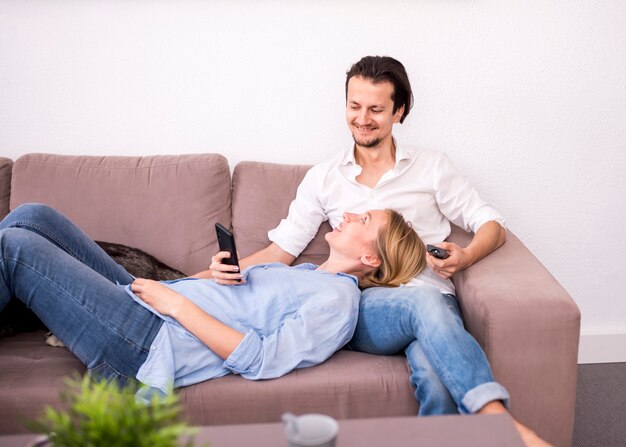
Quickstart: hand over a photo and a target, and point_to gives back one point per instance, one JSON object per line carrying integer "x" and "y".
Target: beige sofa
{"x": 167, "y": 205}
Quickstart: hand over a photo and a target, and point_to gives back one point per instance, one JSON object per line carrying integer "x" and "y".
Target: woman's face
{"x": 356, "y": 235}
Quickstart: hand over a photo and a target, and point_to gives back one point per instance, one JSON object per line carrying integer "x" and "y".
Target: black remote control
{"x": 437, "y": 252}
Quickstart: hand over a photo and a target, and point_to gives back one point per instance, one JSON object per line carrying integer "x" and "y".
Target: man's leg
{"x": 58, "y": 229}
{"x": 391, "y": 319}
{"x": 374, "y": 336}
{"x": 430, "y": 392}
{"x": 96, "y": 319}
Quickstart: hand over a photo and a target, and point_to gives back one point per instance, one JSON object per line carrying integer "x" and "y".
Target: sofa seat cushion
{"x": 348, "y": 385}
{"x": 31, "y": 376}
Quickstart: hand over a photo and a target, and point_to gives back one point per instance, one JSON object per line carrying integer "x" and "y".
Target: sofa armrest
{"x": 6, "y": 165}
{"x": 529, "y": 328}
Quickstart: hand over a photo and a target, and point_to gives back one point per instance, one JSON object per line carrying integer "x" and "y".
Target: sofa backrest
{"x": 164, "y": 205}
{"x": 262, "y": 193}
{"x": 6, "y": 165}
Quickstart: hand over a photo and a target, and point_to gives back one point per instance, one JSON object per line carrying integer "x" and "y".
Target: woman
{"x": 190, "y": 330}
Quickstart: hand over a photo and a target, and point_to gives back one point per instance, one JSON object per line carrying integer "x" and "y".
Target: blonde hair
{"x": 401, "y": 251}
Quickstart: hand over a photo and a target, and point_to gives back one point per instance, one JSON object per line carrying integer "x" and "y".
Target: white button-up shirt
{"x": 423, "y": 186}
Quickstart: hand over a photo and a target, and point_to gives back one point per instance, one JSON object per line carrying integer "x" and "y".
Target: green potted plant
{"x": 99, "y": 414}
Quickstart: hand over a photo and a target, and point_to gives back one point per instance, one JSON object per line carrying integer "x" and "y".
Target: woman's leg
{"x": 392, "y": 319}
{"x": 58, "y": 229}
{"x": 96, "y": 319}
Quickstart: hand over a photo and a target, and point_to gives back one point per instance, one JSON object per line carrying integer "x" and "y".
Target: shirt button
{"x": 153, "y": 347}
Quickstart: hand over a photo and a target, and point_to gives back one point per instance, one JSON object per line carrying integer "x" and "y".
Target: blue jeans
{"x": 449, "y": 370}
{"x": 70, "y": 284}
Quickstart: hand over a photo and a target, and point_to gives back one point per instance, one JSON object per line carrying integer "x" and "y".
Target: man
{"x": 449, "y": 370}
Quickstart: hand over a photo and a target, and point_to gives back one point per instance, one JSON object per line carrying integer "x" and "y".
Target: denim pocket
{"x": 104, "y": 371}
{"x": 453, "y": 305}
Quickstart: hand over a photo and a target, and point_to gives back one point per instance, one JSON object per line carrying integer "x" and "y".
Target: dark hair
{"x": 385, "y": 68}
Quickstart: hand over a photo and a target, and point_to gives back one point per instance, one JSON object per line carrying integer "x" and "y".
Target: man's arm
{"x": 227, "y": 274}
{"x": 271, "y": 253}
{"x": 294, "y": 232}
{"x": 460, "y": 203}
{"x": 489, "y": 237}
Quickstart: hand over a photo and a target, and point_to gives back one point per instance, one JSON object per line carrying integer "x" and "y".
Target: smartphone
{"x": 226, "y": 241}
{"x": 437, "y": 252}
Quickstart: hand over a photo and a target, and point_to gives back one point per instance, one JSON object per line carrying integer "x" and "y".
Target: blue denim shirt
{"x": 291, "y": 317}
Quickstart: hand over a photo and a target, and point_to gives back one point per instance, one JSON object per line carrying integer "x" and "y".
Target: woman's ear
{"x": 371, "y": 260}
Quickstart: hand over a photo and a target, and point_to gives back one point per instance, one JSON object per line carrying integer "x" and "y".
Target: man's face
{"x": 369, "y": 111}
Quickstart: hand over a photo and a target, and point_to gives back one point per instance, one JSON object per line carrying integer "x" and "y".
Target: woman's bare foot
{"x": 529, "y": 437}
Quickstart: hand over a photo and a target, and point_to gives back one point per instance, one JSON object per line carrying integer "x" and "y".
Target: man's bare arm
{"x": 489, "y": 237}
{"x": 271, "y": 253}
{"x": 224, "y": 274}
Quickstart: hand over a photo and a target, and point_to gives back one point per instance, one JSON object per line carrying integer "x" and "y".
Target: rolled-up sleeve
{"x": 319, "y": 328}
{"x": 458, "y": 200}
{"x": 305, "y": 216}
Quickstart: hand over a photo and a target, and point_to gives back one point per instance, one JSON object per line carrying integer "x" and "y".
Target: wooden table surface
{"x": 434, "y": 431}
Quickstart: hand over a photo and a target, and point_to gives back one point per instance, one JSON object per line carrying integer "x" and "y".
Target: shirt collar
{"x": 348, "y": 157}
{"x": 403, "y": 156}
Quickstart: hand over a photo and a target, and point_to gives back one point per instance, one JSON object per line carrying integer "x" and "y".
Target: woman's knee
{"x": 30, "y": 214}
{"x": 16, "y": 241}
{"x": 17, "y": 237}
{"x": 34, "y": 211}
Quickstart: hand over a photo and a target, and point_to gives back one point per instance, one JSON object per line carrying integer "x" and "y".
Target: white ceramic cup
{"x": 310, "y": 430}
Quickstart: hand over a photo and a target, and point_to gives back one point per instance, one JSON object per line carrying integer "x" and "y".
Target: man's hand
{"x": 459, "y": 259}
{"x": 165, "y": 300}
{"x": 489, "y": 237}
{"x": 224, "y": 274}
{"x": 228, "y": 274}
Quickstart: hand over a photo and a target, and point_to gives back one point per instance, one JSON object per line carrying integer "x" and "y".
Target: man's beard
{"x": 375, "y": 142}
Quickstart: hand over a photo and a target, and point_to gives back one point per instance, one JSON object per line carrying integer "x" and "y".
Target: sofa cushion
{"x": 164, "y": 205}
{"x": 5, "y": 185}
{"x": 348, "y": 385}
{"x": 258, "y": 209}
{"x": 32, "y": 375}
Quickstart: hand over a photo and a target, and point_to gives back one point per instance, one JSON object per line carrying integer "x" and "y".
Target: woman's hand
{"x": 165, "y": 300}
{"x": 458, "y": 260}
{"x": 223, "y": 273}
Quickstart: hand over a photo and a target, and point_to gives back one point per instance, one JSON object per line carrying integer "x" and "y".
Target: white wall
{"x": 527, "y": 97}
